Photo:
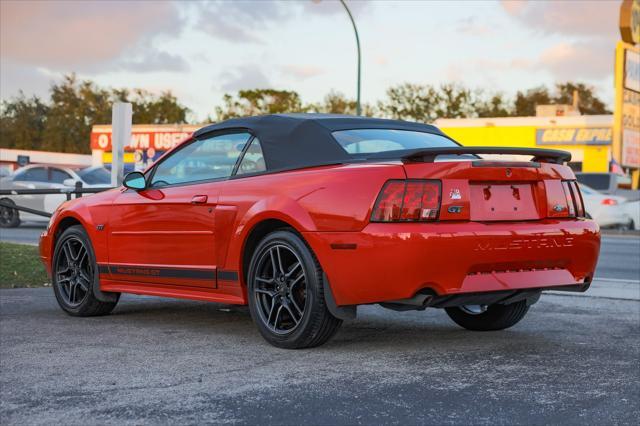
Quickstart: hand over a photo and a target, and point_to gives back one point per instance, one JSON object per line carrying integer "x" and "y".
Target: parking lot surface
{"x": 572, "y": 360}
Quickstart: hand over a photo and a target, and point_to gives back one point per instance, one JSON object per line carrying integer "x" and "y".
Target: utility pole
{"x": 355, "y": 30}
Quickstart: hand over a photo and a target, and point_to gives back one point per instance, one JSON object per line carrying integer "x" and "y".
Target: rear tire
{"x": 9, "y": 218}
{"x": 495, "y": 317}
{"x": 75, "y": 273}
{"x": 286, "y": 293}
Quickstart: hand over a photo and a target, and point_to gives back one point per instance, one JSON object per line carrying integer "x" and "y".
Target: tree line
{"x": 63, "y": 122}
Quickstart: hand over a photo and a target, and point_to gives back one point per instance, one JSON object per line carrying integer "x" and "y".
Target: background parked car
{"x": 609, "y": 183}
{"x": 606, "y": 209}
{"x": 45, "y": 177}
{"x": 632, "y": 209}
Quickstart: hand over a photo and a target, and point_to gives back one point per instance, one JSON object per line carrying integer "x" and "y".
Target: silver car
{"x": 45, "y": 177}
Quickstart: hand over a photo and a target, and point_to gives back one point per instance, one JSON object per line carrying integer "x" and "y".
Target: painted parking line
{"x": 617, "y": 280}
{"x": 623, "y": 239}
{"x": 611, "y": 288}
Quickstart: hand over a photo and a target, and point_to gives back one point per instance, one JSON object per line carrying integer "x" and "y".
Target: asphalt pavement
{"x": 27, "y": 233}
{"x": 619, "y": 258}
{"x": 572, "y": 360}
{"x": 575, "y": 359}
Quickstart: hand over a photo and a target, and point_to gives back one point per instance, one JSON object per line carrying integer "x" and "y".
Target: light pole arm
{"x": 355, "y": 30}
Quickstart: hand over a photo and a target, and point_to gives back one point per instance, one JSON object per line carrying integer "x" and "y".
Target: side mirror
{"x": 135, "y": 181}
{"x": 69, "y": 182}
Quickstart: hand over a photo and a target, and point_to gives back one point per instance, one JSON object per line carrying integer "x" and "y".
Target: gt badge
{"x": 454, "y": 194}
{"x": 454, "y": 209}
{"x": 558, "y": 208}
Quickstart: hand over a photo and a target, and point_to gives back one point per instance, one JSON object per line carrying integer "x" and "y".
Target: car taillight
{"x": 571, "y": 206}
{"x": 609, "y": 202}
{"x": 575, "y": 205}
{"x": 407, "y": 201}
{"x": 580, "y": 210}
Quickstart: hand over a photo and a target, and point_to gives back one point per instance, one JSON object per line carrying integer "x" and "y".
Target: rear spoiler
{"x": 428, "y": 155}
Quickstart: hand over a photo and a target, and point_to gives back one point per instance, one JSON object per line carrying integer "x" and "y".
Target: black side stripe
{"x": 147, "y": 271}
{"x": 196, "y": 274}
{"x": 227, "y": 275}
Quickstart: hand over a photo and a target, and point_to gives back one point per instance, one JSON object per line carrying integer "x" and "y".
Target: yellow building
{"x": 589, "y": 138}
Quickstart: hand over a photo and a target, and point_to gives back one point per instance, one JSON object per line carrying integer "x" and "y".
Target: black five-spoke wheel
{"x": 280, "y": 288}
{"x": 74, "y": 275}
{"x": 286, "y": 293}
{"x": 74, "y": 272}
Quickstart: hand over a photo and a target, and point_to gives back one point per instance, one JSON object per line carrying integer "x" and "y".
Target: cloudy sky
{"x": 200, "y": 50}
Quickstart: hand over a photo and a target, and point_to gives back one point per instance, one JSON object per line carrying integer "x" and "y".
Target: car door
{"x": 165, "y": 233}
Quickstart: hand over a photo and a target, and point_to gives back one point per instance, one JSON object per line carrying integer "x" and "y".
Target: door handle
{"x": 199, "y": 199}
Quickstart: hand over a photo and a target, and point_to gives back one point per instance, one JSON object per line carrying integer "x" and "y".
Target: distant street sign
{"x": 23, "y": 160}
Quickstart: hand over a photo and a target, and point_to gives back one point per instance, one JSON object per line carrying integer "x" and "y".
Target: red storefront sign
{"x": 158, "y": 140}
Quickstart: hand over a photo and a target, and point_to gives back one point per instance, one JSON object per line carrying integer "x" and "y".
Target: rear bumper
{"x": 387, "y": 262}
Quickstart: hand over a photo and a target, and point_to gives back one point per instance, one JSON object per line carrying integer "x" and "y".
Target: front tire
{"x": 286, "y": 293}
{"x": 75, "y": 273}
{"x": 494, "y": 317}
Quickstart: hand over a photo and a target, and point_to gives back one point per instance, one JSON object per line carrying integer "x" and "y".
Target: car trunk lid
{"x": 489, "y": 190}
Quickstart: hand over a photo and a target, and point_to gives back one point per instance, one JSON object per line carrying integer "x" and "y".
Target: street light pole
{"x": 355, "y": 30}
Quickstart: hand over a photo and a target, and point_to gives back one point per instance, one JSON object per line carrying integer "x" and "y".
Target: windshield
{"x": 369, "y": 141}
{"x": 95, "y": 176}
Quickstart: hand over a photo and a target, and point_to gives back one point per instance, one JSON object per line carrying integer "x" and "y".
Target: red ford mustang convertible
{"x": 305, "y": 217}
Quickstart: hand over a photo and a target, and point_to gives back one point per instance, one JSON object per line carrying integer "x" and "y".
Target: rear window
{"x": 369, "y": 141}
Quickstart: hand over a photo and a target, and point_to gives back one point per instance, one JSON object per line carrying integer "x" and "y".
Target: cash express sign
{"x": 574, "y": 136}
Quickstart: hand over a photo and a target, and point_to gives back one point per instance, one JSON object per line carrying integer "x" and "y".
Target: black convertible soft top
{"x": 291, "y": 141}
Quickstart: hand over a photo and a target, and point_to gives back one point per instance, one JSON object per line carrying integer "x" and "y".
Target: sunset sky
{"x": 201, "y": 50}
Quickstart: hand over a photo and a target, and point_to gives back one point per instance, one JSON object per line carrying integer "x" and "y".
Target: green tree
{"x": 334, "y": 103}
{"x": 22, "y": 122}
{"x": 409, "y": 102}
{"x": 77, "y": 105}
{"x": 337, "y": 103}
{"x": 152, "y": 109}
{"x": 525, "y": 102}
{"x": 427, "y": 103}
{"x": 588, "y": 102}
{"x": 495, "y": 106}
{"x": 454, "y": 101}
{"x": 258, "y": 102}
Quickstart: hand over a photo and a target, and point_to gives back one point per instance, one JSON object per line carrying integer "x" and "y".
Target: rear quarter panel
{"x": 333, "y": 198}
